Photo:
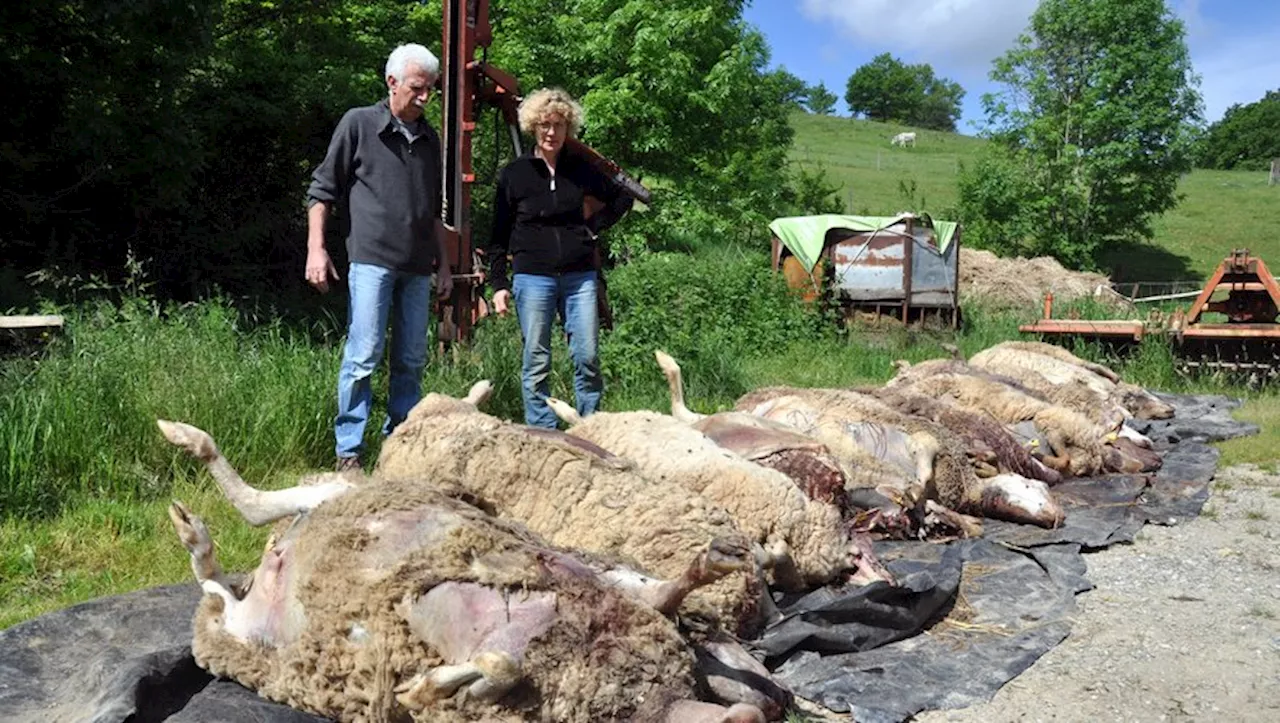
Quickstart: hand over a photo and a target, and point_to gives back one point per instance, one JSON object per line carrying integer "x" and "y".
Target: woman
{"x": 539, "y": 220}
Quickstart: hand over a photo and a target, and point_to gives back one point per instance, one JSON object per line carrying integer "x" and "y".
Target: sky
{"x": 1235, "y": 44}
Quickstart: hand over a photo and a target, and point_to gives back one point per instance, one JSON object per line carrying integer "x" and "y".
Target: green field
{"x": 1219, "y": 211}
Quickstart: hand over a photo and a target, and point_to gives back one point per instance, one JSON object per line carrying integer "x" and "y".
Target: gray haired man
{"x": 383, "y": 167}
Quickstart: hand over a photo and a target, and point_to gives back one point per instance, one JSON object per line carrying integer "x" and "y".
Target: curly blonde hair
{"x": 550, "y": 101}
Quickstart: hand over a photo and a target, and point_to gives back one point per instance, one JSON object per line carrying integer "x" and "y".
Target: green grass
{"x": 1219, "y": 211}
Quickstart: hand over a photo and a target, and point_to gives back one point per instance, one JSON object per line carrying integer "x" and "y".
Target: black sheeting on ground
{"x": 988, "y": 609}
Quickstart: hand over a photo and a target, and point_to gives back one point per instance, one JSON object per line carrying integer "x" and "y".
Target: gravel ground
{"x": 1184, "y": 624}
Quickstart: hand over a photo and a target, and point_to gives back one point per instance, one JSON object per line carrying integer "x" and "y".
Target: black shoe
{"x": 348, "y": 464}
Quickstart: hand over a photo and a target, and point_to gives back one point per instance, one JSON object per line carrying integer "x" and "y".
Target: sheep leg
{"x": 721, "y": 558}
{"x": 675, "y": 382}
{"x": 938, "y": 514}
{"x": 196, "y": 538}
{"x": 258, "y": 507}
{"x": 486, "y": 677}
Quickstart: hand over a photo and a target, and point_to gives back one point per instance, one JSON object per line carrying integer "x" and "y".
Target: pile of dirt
{"x": 1020, "y": 283}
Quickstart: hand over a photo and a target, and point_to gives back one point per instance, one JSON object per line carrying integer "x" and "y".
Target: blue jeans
{"x": 378, "y": 295}
{"x": 538, "y": 300}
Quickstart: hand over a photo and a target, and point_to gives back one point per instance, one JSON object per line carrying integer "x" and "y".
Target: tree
{"x": 1091, "y": 132}
{"x": 193, "y": 126}
{"x": 888, "y": 90}
{"x": 794, "y": 90}
{"x": 1247, "y": 137}
{"x": 821, "y": 101}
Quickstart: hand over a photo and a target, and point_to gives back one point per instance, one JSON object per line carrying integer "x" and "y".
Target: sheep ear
{"x": 564, "y": 411}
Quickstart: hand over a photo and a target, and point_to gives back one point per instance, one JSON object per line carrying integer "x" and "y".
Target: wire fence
{"x": 1143, "y": 291}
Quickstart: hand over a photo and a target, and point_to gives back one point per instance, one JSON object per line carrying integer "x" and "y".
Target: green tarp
{"x": 804, "y": 235}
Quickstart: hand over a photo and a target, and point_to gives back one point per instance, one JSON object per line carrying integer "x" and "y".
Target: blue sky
{"x": 1235, "y": 44}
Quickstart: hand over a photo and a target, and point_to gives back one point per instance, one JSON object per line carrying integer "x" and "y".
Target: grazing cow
{"x": 904, "y": 139}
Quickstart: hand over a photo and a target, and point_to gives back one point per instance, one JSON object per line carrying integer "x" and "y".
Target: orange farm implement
{"x": 1230, "y": 328}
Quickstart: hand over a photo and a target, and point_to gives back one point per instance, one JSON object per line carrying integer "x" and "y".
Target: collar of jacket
{"x": 531, "y": 155}
{"x": 387, "y": 122}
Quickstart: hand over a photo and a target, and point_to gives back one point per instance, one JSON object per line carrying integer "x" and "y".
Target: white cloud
{"x": 958, "y": 37}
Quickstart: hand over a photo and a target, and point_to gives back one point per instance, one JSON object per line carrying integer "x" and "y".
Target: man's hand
{"x": 501, "y": 301}
{"x": 444, "y": 283}
{"x": 320, "y": 269}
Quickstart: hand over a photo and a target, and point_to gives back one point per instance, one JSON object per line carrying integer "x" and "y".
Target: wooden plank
{"x": 30, "y": 322}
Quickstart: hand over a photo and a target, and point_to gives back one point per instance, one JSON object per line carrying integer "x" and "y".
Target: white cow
{"x": 904, "y": 139}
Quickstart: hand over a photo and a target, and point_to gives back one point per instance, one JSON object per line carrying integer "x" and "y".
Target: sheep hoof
{"x": 724, "y": 557}
{"x": 500, "y": 673}
{"x": 191, "y": 529}
{"x": 195, "y": 441}
{"x": 486, "y": 678}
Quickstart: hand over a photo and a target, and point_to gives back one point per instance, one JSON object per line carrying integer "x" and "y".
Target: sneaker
{"x": 348, "y": 464}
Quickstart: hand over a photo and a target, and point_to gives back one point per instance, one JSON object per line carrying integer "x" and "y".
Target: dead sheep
{"x": 393, "y": 600}
{"x": 848, "y": 417}
{"x": 990, "y": 445}
{"x": 804, "y": 538}
{"x": 805, "y": 460}
{"x": 1059, "y": 368}
{"x": 1078, "y": 446}
{"x": 578, "y": 495}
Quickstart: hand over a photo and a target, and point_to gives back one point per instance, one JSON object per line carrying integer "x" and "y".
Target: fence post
{"x": 1275, "y": 172}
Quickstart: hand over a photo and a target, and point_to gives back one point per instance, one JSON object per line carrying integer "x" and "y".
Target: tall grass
{"x": 80, "y": 421}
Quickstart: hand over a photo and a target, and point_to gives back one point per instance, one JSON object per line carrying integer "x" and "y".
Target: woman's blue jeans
{"x": 538, "y": 301}
{"x": 379, "y": 295}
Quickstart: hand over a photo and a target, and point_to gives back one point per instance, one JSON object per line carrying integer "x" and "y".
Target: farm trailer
{"x": 906, "y": 265}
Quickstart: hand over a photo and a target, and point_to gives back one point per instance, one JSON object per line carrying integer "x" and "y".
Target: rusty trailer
{"x": 906, "y": 265}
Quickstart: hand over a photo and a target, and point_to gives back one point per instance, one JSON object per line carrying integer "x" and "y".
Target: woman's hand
{"x": 502, "y": 301}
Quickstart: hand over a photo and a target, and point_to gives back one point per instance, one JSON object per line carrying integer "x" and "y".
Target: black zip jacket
{"x": 538, "y": 219}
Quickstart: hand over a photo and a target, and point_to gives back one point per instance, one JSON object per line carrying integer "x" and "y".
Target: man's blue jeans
{"x": 538, "y": 300}
{"x": 379, "y": 295}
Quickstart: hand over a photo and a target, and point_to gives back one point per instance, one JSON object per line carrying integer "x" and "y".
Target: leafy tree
{"x": 183, "y": 134}
{"x": 1247, "y": 137}
{"x": 888, "y": 90}
{"x": 1091, "y": 133}
{"x": 821, "y": 101}
{"x": 794, "y": 90}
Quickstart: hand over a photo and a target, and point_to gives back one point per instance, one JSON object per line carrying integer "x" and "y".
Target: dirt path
{"x": 1184, "y": 624}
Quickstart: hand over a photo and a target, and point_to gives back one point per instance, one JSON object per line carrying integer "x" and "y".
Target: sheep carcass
{"x": 858, "y": 420}
{"x": 578, "y": 495}
{"x": 1077, "y": 446}
{"x": 804, "y": 459}
{"x": 385, "y": 600}
{"x": 805, "y": 538}
{"x": 1051, "y": 369}
{"x": 989, "y": 444}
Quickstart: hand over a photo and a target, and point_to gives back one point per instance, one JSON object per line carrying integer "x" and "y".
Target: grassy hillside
{"x": 1220, "y": 210}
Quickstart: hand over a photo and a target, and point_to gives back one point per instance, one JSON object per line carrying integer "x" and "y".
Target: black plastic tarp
{"x": 967, "y": 617}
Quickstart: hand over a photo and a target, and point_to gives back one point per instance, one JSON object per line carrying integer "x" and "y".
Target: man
{"x": 383, "y": 167}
